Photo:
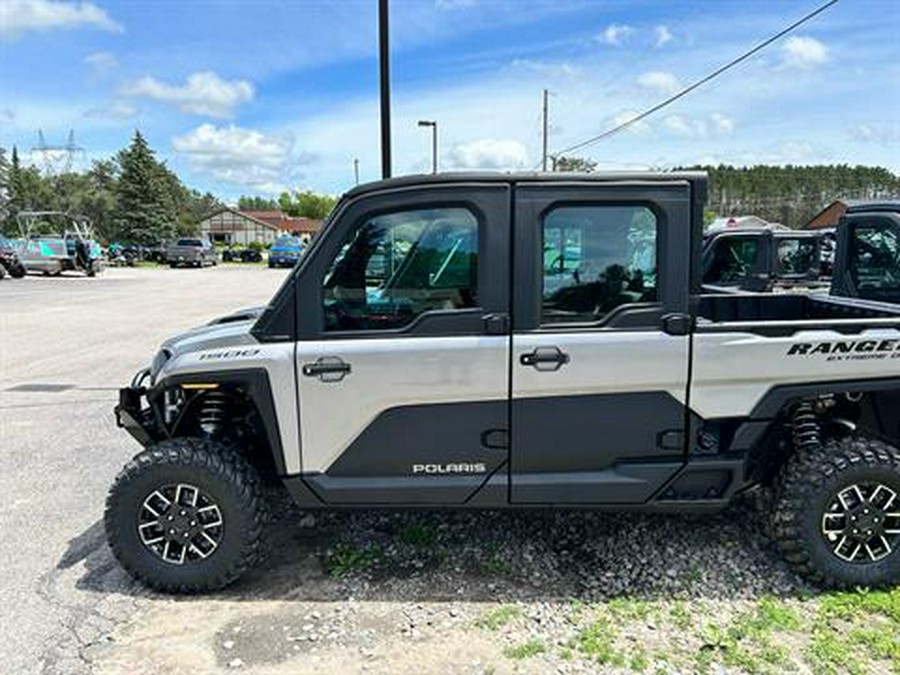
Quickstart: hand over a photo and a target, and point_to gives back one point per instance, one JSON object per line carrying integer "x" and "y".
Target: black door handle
{"x": 327, "y": 369}
{"x": 545, "y": 358}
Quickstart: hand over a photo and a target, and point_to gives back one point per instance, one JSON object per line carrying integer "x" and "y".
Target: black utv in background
{"x": 761, "y": 259}
{"x": 867, "y": 253}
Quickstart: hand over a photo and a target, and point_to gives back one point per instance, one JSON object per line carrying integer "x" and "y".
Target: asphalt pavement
{"x": 66, "y": 345}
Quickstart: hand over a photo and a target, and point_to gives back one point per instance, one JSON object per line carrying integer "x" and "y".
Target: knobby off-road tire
{"x": 813, "y": 485}
{"x": 221, "y": 478}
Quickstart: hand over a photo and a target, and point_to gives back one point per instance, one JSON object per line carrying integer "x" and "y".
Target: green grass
{"x": 419, "y": 534}
{"x": 681, "y": 616}
{"x": 831, "y": 654}
{"x": 497, "y": 565}
{"x": 629, "y": 609}
{"x": 852, "y": 627}
{"x": 597, "y": 642}
{"x": 346, "y": 559}
{"x": 525, "y": 650}
{"x": 499, "y": 617}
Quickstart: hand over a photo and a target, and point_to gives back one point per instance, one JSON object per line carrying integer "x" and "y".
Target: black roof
{"x": 861, "y": 206}
{"x": 528, "y": 177}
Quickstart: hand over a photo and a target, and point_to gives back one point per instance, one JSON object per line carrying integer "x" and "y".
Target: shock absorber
{"x": 805, "y": 429}
{"x": 212, "y": 411}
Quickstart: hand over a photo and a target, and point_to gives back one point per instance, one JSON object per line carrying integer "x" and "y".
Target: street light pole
{"x": 434, "y": 142}
{"x": 544, "y": 130}
{"x": 385, "y": 79}
{"x": 356, "y": 169}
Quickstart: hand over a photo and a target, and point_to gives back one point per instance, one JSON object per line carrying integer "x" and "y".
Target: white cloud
{"x": 804, "y": 52}
{"x": 487, "y": 153}
{"x": 548, "y": 69}
{"x": 722, "y": 124}
{"x": 699, "y": 127}
{"x": 616, "y": 34}
{"x": 244, "y": 157}
{"x": 455, "y": 4}
{"x": 663, "y": 35}
{"x": 641, "y": 127}
{"x": 202, "y": 93}
{"x": 660, "y": 81}
{"x": 20, "y": 16}
{"x": 101, "y": 63}
{"x": 876, "y": 133}
{"x": 114, "y": 110}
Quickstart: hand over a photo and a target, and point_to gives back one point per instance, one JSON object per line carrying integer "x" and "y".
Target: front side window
{"x": 396, "y": 266}
{"x": 733, "y": 259}
{"x": 595, "y": 259}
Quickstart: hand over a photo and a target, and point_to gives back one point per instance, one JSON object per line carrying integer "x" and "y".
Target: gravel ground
{"x": 382, "y": 592}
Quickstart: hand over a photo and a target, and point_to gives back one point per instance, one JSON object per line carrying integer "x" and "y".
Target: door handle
{"x": 545, "y": 359}
{"x": 327, "y": 369}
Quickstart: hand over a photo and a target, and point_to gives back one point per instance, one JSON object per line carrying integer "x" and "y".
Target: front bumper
{"x": 131, "y": 415}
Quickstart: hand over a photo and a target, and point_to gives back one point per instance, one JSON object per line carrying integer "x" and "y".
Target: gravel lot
{"x": 427, "y": 592}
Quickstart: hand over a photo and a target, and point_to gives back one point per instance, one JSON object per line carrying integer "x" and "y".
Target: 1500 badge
{"x": 229, "y": 354}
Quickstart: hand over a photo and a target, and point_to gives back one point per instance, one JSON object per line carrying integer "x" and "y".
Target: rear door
{"x": 600, "y": 341}
{"x": 403, "y": 352}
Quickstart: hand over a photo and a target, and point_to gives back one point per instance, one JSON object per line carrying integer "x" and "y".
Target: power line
{"x": 684, "y": 92}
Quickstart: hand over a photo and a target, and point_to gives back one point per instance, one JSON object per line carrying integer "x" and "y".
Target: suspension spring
{"x": 212, "y": 412}
{"x": 805, "y": 428}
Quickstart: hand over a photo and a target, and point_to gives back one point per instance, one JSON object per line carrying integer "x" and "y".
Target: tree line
{"x": 790, "y": 194}
{"x": 300, "y": 203}
{"x": 131, "y": 197}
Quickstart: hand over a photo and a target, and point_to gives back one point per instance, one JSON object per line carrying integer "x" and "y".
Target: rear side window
{"x": 394, "y": 267}
{"x": 189, "y": 242}
{"x": 797, "y": 257}
{"x": 595, "y": 259}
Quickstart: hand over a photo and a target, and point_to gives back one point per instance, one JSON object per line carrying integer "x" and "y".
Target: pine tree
{"x": 145, "y": 211}
{"x": 4, "y": 185}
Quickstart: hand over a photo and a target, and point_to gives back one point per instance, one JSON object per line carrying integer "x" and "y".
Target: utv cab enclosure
{"x": 515, "y": 341}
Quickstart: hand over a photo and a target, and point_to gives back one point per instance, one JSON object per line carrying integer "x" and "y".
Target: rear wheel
{"x": 17, "y": 271}
{"x": 187, "y": 515}
{"x": 837, "y": 513}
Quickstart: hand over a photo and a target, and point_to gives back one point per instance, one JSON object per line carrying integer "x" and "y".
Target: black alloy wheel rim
{"x": 180, "y": 524}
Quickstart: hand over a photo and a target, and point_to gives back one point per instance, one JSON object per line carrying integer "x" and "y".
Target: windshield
{"x": 287, "y": 241}
{"x": 47, "y": 247}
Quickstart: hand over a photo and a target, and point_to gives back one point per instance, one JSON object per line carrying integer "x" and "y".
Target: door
{"x": 600, "y": 341}
{"x": 868, "y": 257}
{"x": 403, "y": 357}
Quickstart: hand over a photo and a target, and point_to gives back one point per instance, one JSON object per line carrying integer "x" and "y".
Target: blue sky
{"x": 252, "y": 96}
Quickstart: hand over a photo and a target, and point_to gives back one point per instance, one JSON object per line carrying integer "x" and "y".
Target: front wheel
{"x": 837, "y": 513}
{"x": 187, "y": 515}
